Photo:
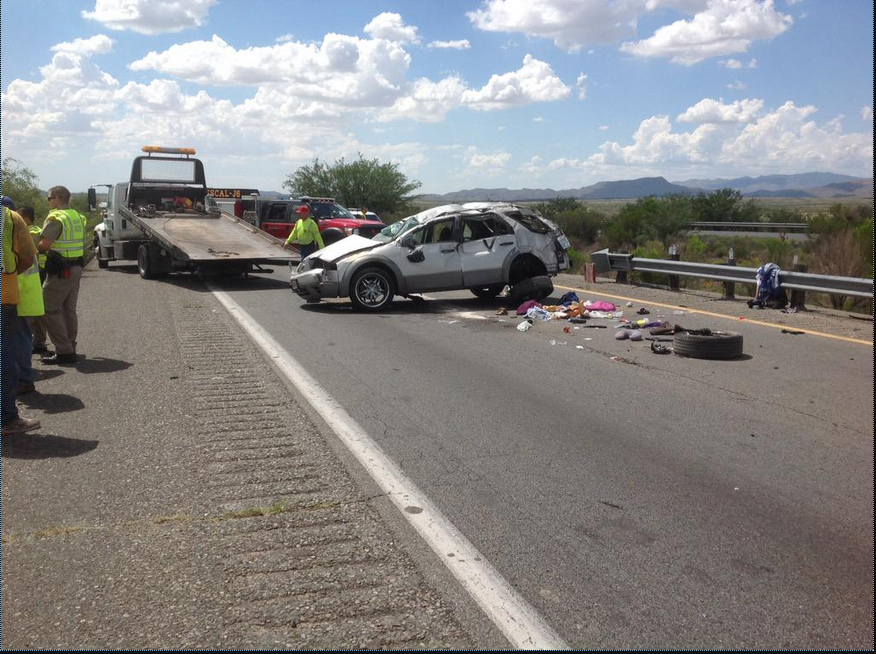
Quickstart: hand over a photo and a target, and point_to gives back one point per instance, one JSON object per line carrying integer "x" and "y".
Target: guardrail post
{"x": 674, "y": 256}
{"x": 621, "y": 277}
{"x": 730, "y": 287}
{"x": 798, "y": 297}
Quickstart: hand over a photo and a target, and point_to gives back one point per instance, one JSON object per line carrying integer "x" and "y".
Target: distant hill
{"x": 624, "y": 190}
{"x": 749, "y": 185}
{"x": 803, "y": 185}
{"x": 634, "y": 188}
{"x": 789, "y": 193}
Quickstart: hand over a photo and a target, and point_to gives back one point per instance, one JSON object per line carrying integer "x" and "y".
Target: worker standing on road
{"x": 306, "y": 233}
{"x": 19, "y": 253}
{"x": 36, "y": 232}
{"x": 63, "y": 240}
{"x": 30, "y": 310}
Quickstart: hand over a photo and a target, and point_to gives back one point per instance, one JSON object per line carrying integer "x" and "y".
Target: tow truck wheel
{"x": 144, "y": 263}
{"x": 371, "y": 289}
{"x": 102, "y": 263}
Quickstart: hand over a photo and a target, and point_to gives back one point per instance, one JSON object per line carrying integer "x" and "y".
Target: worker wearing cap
{"x": 305, "y": 233}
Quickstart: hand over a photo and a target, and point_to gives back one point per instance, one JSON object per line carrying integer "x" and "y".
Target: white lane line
{"x": 512, "y": 614}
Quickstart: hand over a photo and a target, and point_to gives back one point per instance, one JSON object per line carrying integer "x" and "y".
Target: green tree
{"x": 380, "y": 187}
{"x": 553, "y": 208}
{"x": 648, "y": 219}
{"x": 20, "y": 184}
{"x": 724, "y": 205}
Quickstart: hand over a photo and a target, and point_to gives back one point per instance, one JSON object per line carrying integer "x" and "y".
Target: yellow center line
{"x": 719, "y": 315}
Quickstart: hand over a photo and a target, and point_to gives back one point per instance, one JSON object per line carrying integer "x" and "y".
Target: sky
{"x": 458, "y": 93}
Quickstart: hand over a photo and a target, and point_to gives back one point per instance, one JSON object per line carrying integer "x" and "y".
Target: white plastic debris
{"x": 525, "y": 326}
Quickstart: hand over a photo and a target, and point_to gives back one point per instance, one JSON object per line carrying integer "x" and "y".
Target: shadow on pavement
{"x": 252, "y": 282}
{"x": 35, "y": 446}
{"x": 45, "y": 373}
{"x": 51, "y": 402}
{"x": 92, "y": 365}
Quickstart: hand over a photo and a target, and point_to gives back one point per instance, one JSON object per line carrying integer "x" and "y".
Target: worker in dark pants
{"x": 305, "y": 233}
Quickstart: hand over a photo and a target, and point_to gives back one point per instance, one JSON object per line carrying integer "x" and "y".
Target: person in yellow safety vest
{"x": 63, "y": 240}
{"x": 30, "y": 309}
{"x": 36, "y": 232}
{"x": 19, "y": 254}
{"x": 306, "y": 233}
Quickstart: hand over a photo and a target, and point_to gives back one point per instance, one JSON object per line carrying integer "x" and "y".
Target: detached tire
{"x": 717, "y": 345}
{"x": 371, "y": 289}
{"x": 533, "y": 288}
{"x": 487, "y": 292}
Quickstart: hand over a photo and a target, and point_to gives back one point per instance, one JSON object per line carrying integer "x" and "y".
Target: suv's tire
{"x": 144, "y": 263}
{"x": 371, "y": 289}
{"x": 487, "y": 292}
{"x": 717, "y": 345}
{"x": 533, "y": 288}
{"x": 332, "y": 235}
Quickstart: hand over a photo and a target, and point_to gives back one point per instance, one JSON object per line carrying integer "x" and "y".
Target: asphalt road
{"x": 636, "y": 500}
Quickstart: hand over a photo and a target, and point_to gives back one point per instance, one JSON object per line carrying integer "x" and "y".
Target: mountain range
{"x": 802, "y": 185}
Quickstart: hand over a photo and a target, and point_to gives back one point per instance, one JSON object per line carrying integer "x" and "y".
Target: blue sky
{"x": 460, "y": 94}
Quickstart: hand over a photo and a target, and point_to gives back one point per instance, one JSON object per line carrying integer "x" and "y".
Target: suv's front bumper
{"x": 315, "y": 284}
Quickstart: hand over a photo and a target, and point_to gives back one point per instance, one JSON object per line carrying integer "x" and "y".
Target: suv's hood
{"x": 345, "y": 246}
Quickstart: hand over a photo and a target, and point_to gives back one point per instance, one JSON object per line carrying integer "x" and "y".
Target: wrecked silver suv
{"x": 480, "y": 246}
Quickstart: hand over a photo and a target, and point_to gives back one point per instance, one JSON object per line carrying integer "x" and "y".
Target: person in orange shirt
{"x": 19, "y": 255}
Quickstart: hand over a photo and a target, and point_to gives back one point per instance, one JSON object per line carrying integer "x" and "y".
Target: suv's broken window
{"x": 487, "y": 226}
{"x": 530, "y": 221}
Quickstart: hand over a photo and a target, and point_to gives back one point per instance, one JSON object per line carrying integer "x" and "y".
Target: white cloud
{"x": 736, "y": 86}
{"x": 783, "y": 140}
{"x": 571, "y": 24}
{"x": 477, "y": 160}
{"x": 342, "y": 69}
{"x": 461, "y": 44}
{"x": 730, "y": 63}
{"x": 752, "y": 63}
{"x": 538, "y": 119}
{"x": 391, "y": 27}
{"x": 866, "y": 112}
{"x": 581, "y": 84}
{"x": 724, "y": 27}
{"x": 150, "y": 16}
{"x": 285, "y": 38}
{"x": 533, "y": 168}
{"x": 715, "y": 111}
{"x": 427, "y": 101}
{"x": 98, "y": 44}
{"x": 534, "y": 81}
{"x": 604, "y": 127}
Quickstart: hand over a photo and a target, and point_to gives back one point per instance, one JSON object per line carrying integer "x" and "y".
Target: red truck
{"x": 277, "y": 217}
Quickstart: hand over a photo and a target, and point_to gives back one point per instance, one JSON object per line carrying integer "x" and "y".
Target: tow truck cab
{"x": 277, "y": 217}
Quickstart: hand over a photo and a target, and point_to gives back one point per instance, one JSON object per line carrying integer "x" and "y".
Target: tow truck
{"x": 164, "y": 219}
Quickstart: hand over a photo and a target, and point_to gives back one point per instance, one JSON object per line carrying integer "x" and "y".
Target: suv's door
{"x": 438, "y": 268}
{"x": 487, "y": 241}
{"x": 274, "y": 218}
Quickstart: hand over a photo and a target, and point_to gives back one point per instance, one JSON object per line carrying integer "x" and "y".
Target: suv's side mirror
{"x": 416, "y": 255}
{"x": 92, "y": 199}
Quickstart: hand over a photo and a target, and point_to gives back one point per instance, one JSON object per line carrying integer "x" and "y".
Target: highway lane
{"x": 641, "y": 501}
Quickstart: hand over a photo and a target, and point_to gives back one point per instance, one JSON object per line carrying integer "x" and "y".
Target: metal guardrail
{"x": 607, "y": 262}
{"x": 770, "y": 227}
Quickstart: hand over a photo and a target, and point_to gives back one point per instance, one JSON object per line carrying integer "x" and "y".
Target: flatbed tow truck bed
{"x": 202, "y": 237}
